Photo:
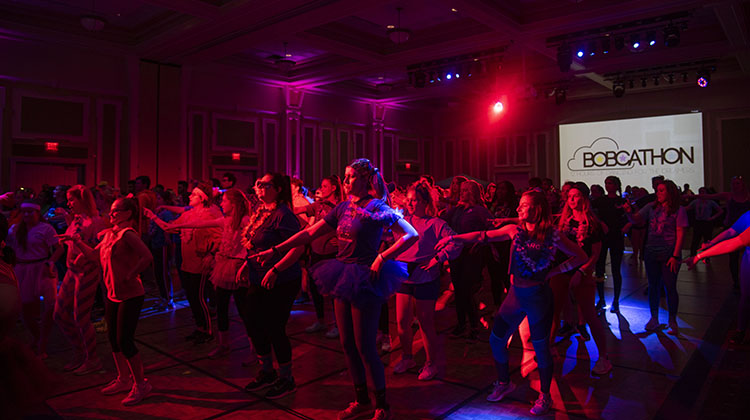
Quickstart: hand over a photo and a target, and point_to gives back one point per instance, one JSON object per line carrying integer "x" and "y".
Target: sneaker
{"x": 89, "y": 366}
{"x": 116, "y": 386}
{"x": 738, "y": 336}
{"x": 500, "y": 391}
{"x": 428, "y": 371}
{"x": 382, "y": 414}
{"x": 204, "y": 338}
{"x": 602, "y": 366}
{"x": 74, "y": 364}
{"x": 138, "y": 393}
{"x": 403, "y": 365}
{"x": 542, "y": 405}
{"x": 219, "y": 352}
{"x": 263, "y": 380}
{"x": 458, "y": 332}
{"x": 281, "y": 388}
{"x": 652, "y": 324}
{"x": 566, "y": 329}
{"x": 674, "y": 329}
{"x": 615, "y": 309}
{"x": 332, "y": 333}
{"x": 584, "y": 332}
{"x": 317, "y": 326}
{"x": 355, "y": 410}
{"x": 386, "y": 346}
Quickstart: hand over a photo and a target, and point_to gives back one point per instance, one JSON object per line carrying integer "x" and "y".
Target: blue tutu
{"x": 352, "y": 282}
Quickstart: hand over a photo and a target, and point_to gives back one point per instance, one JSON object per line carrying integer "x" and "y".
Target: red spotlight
{"x": 51, "y": 146}
{"x": 235, "y": 156}
{"x": 498, "y": 107}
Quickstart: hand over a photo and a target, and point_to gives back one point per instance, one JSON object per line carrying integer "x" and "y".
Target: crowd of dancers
{"x": 357, "y": 241}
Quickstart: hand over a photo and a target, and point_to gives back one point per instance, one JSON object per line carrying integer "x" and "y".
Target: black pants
{"x": 702, "y": 232}
{"x": 466, "y": 275}
{"x": 222, "y": 306}
{"x": 122, "y": 318}
{"x": 498, "y": 269}
{"x": 161, "y": 269}
{"x": 195, "y": 289}
{"x": 616, "y": 247}
{"x": 317, "y": 298}
{"x": 268, "y": 313}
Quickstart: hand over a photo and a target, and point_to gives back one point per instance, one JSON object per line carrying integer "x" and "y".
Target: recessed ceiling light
{"x": 454, "y": 10}
{"x": 288, "y": 55}
{"x": 380, "y": 77}
{"x": 391, "y": 27}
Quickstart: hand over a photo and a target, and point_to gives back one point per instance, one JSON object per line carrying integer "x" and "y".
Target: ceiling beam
{"x": 195, "y": 8}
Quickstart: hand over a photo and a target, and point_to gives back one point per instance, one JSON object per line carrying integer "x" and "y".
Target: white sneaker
{"x": 354, "y": 411}
{"x": 500, "y": 390}
{"x": 315, "y": 327}
{"x": 333, "y": 333}
{"x": 542, "y": 405}
{"x": 116, "y": 386}
{"x": 403, "y": 365}
{"x": 138, "y": 393}
{"x": 602, "y": 366}
{"x": 428, "y": 371}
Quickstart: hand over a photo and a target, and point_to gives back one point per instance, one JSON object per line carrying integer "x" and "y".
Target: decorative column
{"x": 292, "y": 131}
{"x": 378, "y": 125}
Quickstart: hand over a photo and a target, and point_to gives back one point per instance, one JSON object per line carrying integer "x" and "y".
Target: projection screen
{"x": 635, "y": 150}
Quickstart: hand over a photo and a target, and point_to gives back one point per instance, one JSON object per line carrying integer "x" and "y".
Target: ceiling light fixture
{"x": 285, "y": 64}
{"x": 672, "y": 35}
{"x": 397, "y": 34}
{"x": 618, "y": 89}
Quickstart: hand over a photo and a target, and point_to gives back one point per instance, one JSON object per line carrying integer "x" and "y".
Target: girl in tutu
{"x": 360, "y": 279}
{"x": 123, "y": 256}
{"x": 78, "y": 290}
{"x": 535, "y": 242}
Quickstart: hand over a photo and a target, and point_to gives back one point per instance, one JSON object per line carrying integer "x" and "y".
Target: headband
{"x": 31, "y": 206}
{"x": 199, "y": 192}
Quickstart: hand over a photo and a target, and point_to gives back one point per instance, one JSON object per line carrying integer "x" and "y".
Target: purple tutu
{"x": 352, "y": 282}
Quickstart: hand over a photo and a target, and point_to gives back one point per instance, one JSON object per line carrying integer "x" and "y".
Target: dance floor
{"x": 655, "y": 375}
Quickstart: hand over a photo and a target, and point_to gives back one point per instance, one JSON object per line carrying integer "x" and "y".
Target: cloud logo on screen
{"x": 602, "y": 153}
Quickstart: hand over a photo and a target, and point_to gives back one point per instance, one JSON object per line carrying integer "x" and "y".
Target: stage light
{"x": 643, "y": 82}
{"x": 651, "y": 38}
{"x": 671, "y": 36}
{"x": 635, "y": 41}
{"x": 564, "y": 58}
{"x": 605, "y": 45}
{"x": 51, "y": 146}
{"x": 458, "y": 75}
{"x": 704, "y": 78}
{"x": 579, "y": 54}
{"x": 560, "y": 95}
{"x": 592, "y": 48}
{"x": 498, "y": 107}
{"x": 619, "y": 42}
{"x": 432, "y": 77}
{"x": 448, "y": 76}
{"x": 618, "y": 89}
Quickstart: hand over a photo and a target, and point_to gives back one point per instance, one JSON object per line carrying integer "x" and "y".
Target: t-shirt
{"x": 662, "y": 227}
{"x": 610, "y": 211}
{"x": 277, "y": 228}
{"x": 740, "y": 226}
{"x": 39, "y": 239}
{"x": 359, "y": 229}
{"x": 585, "y": 236}
{"x": 326, "y": 244}
{"x": 531, "y": 261}
{"x": 467, "y": 219}
{"x": 88, "y": 229}
{"x": 196, "y": 243}
{"x": 704, "y": 209}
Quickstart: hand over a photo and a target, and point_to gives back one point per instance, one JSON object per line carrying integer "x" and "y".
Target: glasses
{"x": 263, "y": 185}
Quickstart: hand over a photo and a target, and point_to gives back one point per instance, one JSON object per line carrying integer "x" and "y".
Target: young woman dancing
{"x": 422, "y": 287}
{"x": 274, "y": 285}
{"x": 609, "y": 209}
{"x": 122, "y": 256}
{"x": 360, "y": 279}
{"x": 666, "y": 221}
{"x": 579, "y": 224}
{"x": 535, "y": 242}
{"x": 35, "y": 244}
{"x": 78, "y": 290}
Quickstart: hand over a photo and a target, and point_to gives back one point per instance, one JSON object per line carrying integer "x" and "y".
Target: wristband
{"x": 582, "y": 272}
{"x": 274, "y": 250}
{"x": 274, "y": 270}
{"x": 677, "y": 257}
{"x": 381, "y": 256}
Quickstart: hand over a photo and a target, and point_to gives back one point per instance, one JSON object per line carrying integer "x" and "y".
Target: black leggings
{"x": 122, "y": 318}
{"x": 317, "y": 298}
{"x": 466, "y": 275}
{"x": 616, "y": 247}
{"x": 161, "y": 269}
{"x": 222, "y": 306}
{"x": 498, "y": 269}
{"x": 268, "y": 313}
{"x": 195, "y": 289}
